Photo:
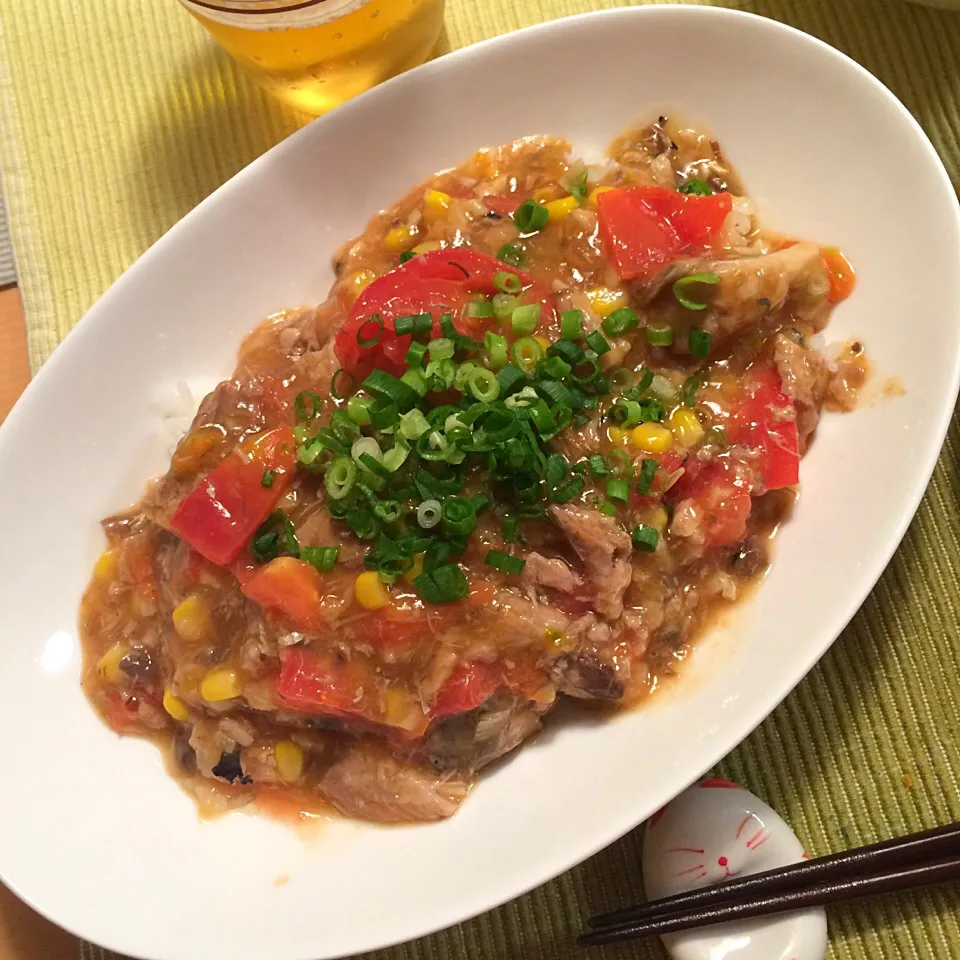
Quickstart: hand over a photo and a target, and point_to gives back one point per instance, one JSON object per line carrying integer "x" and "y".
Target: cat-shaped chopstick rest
{"x": 712, "y": 831}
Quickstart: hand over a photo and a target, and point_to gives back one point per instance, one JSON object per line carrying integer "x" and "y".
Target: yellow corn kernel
{"x": 358, "y": 281}
{"x": 436, "y": 203}
{"x": 106, "y": 568}
{"x": 594, "y": 193}
{"x": 289, "y": 758}
{"x": 175, "y": 707}
{"x": 617, "y": 435}
{"x": 221, "y": 683}
{"x": 401, "y": 238}
{"x": 545, "y": 194}
{"x": 191, "y": 618}
{"x": 658, "y": 519}
{"x": 427, "y": 246}
{"x": 370, "y": 591}
{"x": 558, "y": 209}
{"x": 415, "y": 570}
{"x": 685, "y": 427}
{"x": 544, "y": 343}
{"x": 109, "y": 663}
{"x": 604, "y": 300}
{"x": 396, "y": 707}
{"x": 651, "y": 438}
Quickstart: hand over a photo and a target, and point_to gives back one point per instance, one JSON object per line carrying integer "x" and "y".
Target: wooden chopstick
{"x": 928, "y": 845}
{"x": 821, "y": 894}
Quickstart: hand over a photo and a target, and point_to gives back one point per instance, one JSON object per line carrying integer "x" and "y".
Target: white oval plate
{"x": 96, "y": 836}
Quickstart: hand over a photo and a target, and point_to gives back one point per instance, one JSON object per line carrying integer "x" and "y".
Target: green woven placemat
{"x": 866, "y": 747}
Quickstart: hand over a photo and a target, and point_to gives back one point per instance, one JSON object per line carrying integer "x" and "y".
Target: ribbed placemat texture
{"x": 118, "y": 116}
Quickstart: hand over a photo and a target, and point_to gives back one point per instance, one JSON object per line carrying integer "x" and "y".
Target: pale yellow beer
{"x": 315, "y": 54}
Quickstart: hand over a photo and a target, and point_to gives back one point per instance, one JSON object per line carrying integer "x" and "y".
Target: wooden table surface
{"x": 24, "y": 935}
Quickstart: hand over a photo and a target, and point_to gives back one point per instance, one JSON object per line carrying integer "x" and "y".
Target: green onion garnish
{"x": 555, "y": 367}
{"x": 526, "y": 352}
{"x": 618, "y": 490}
{"x": 621, "y": 379}
{"x": 626, "y": 413}
{"x": 429, "y": 514}
{"x": 267, "y": 479}
{"x": 659, "y": 336}
{"x": 442, "y": 349}
{"x": 699, "y": 342}
{"x": 567, "y": 350}
{"x": 307, "y": 406}
{"x": 531, "y": 217}
{"x": 652, "y": 411}
{"x": 688, "y": 392}
{"x": 645, "y": 538}
{"x": 413, "y": 323}
{"x": 507, "y": 282}
{"x": 608, "y": 509}
{"x": 513, "y": 254}
{"x": 413, "y": 424}
{"x": 598, "y": 464}
{"x": 586, "y": 371}
{"x": 525, "y": 318}
{"x": 571, "y": 324}
{"x": 504, "y": 305}
{"x": 556, "y": 393}
{"x": 443, "y": 584}
{"x": 511, "y": 530}
{"x": 511, "y": 379}
{"x": 480, "y": 310}
{"x": 646, "y": 378}
{"x": 696, "y": 187}
{"x": 390, "y": 388}
{"x": 597, "y": 342}
{"x": 496, "y": 349}
{"x": 415, "y": 354}
{"x": 648, "y": 470}
{"x": 384, "y": 414}
{"x": 323, "y": 558}
{"x": 372, "y": 337}
{"x": 342, "y": 384}
{"x": 484, "y": 385}
{"x": 406, "y": 256}
{"x": 505, "y": 562}
{"x": 459, "y": 517}
{"x": 340, "y": 477}
{"x": 620, "y": 321}
{"x": 682, "y": 285}
{"x": 414, "y": 379}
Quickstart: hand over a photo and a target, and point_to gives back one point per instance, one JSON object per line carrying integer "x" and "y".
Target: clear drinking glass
{"x": 315, "y": 54}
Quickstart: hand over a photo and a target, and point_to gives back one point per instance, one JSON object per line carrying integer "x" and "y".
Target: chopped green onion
{"x": 442, "y": 349}
{"x": 504, "y": 305}
{"x": 413, "y": 424}
{"x": 372, "y": 337}
{"x": 340, "y": 477}
{"x": 526, "y": 352}
{"x": 510, "y": 379}
{"x": 323, "y": 558}
{"x": 621, "y": 463}
{"x": 531, "y": 217}
{"x": 396, "y": 456}
{"x": 619, "y": 322}
{"x": 513, "y": 254}
{"x": 307, "y": 406}
{"x": 407, "y": 256}
{"x": 696, "y": 187}
{"x": 681, "y": 286}
{"x": 556, "y": 393}
{"x": 555, "y": 367}
{"x": 572, "y": 488}
{"x": 415, "y": 379}
{"x": 571, "y": 324}
{"x": 443, "y": 584}
{"x": 688, "y": 392}
{"x": 505, "y": 562}
{"x": 620, "y": 379}
{"x": 413, "y": 323}
{"x": 659, "y": 336}
{"x": 507, "y": 282}
{"x": 648, "y": 470}
{"x": 567, "y": 350}
{"x": 586, "y": 371}
{"x": 618, "y": 490}
{"x": 646, "y": 378}
{"x": 525, "y": 319}
{"x": 626, "y": 413}
{"x": 645, "y": 538}
{"x": 459, "y": 517}
{"x": 484, "y": 385}
{"x": 415, "y": 354}
{"x": 700, "y": 342}
{"x": 384, "y": 414}
{"x": 597, "y": 342}
{"x": 608, "y": 509}
{"x": 389, "y": 511}
{"x": 369, "y": 447}
{"x": 342, "y": 384}
{"x": 429, "y": 514}
{"x": 480, "y": 310}
{"x": 440, "y": 374}
{"x": 578, "y": 188}
{"x": 267, "y": 479}
{"x": 598, "y": 464}
{"x": 542, "y": 417}
{"x": 390, "y": 388}
{"x": 463, "y": 374}
{"x": 496, "y": 347}
{"x": 511, "y": 530}
{"x": 652, "y": 411}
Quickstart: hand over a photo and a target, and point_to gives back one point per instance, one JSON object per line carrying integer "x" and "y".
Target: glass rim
{"x": 247, "y": 6}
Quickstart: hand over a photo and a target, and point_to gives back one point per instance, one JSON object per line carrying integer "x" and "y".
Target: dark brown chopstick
{"x": 928, "y": 845}
{"x": 821, "y": 894}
